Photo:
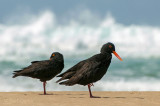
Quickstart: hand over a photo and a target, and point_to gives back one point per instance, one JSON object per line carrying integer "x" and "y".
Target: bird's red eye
{"x": 110, "y": 46}
{"x": 53, "y": 54}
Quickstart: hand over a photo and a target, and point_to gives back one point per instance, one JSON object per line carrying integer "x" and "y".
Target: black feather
{"x": 87, "y": 71}
{"x": 43, "y": 70}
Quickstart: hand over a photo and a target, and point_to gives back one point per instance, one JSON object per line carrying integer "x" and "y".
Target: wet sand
{"x": 79, "y": 98}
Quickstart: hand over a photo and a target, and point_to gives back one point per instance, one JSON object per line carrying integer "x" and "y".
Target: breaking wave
{"x": 41, "y": 35}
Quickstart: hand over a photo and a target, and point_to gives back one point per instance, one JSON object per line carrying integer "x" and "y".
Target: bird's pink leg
{"x": 44, "y": 86}
{"x": 90, "y": 92}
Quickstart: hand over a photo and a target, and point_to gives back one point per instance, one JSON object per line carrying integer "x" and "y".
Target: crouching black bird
{"x": 90, "y": 70}
{"x": 43, "y": 70}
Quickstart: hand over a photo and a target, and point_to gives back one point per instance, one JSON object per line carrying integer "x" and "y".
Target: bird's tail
{"x": 16, "y": 73}
{"x": 60, "y": 80}
{"x": 67, "y": 83}
{"x": 60, "y": 75}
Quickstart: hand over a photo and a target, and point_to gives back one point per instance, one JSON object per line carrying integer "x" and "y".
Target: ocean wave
{"x": 133, "y": 85}
{"x": 42, "y": 35}
{"x": 28, "y": 84}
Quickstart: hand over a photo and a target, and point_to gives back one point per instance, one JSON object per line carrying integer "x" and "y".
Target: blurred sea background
{"x": 32, "y": 30}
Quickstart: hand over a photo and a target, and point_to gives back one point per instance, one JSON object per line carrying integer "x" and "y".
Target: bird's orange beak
{"x": 117, "y": 55}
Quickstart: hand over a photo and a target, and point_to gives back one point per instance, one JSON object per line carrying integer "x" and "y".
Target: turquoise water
{"x": 37, "y": 39}
{"x": 131, "y": 74}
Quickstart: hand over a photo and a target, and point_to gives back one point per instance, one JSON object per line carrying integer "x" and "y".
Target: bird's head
{"x": 57, "y": 56}
{"x": 110, "y": 48}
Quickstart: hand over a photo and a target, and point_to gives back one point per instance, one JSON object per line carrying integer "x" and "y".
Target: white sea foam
{"x": 134, "y": 85}
{"x": 28, "y": 84}
{"x": 42, "y": 35}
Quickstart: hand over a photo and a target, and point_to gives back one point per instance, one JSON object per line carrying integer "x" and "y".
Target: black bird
{"x": 43, "y": 70}
{"x": 90, "y": 70}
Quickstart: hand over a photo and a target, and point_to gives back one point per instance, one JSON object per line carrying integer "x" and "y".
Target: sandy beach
{"x": 79, "y": 98}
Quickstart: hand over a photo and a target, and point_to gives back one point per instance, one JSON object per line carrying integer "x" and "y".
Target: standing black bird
{"x": 43, "y": 70}
{"x": 90, "y": 70}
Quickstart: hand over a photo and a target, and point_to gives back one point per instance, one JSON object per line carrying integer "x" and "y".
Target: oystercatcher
{"x": 90, "y": 70}
{"x": 43, "y": 70}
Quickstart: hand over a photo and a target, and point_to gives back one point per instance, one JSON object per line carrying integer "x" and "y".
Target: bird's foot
{"x": 44, "y": 94}
{"x": 94, "y": 96}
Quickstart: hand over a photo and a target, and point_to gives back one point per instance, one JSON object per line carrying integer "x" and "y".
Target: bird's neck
{"x": 106, "y": 53}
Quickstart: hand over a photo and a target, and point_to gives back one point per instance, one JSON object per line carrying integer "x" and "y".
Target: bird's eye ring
{"x": 110, "y": 46}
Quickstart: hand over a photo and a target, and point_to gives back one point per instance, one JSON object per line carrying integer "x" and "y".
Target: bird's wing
{"x": 34, "y": 62}
{"x": 37, "y": 67}
{"x": 70, "y": 72}
{"x": 86, "y": 72}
